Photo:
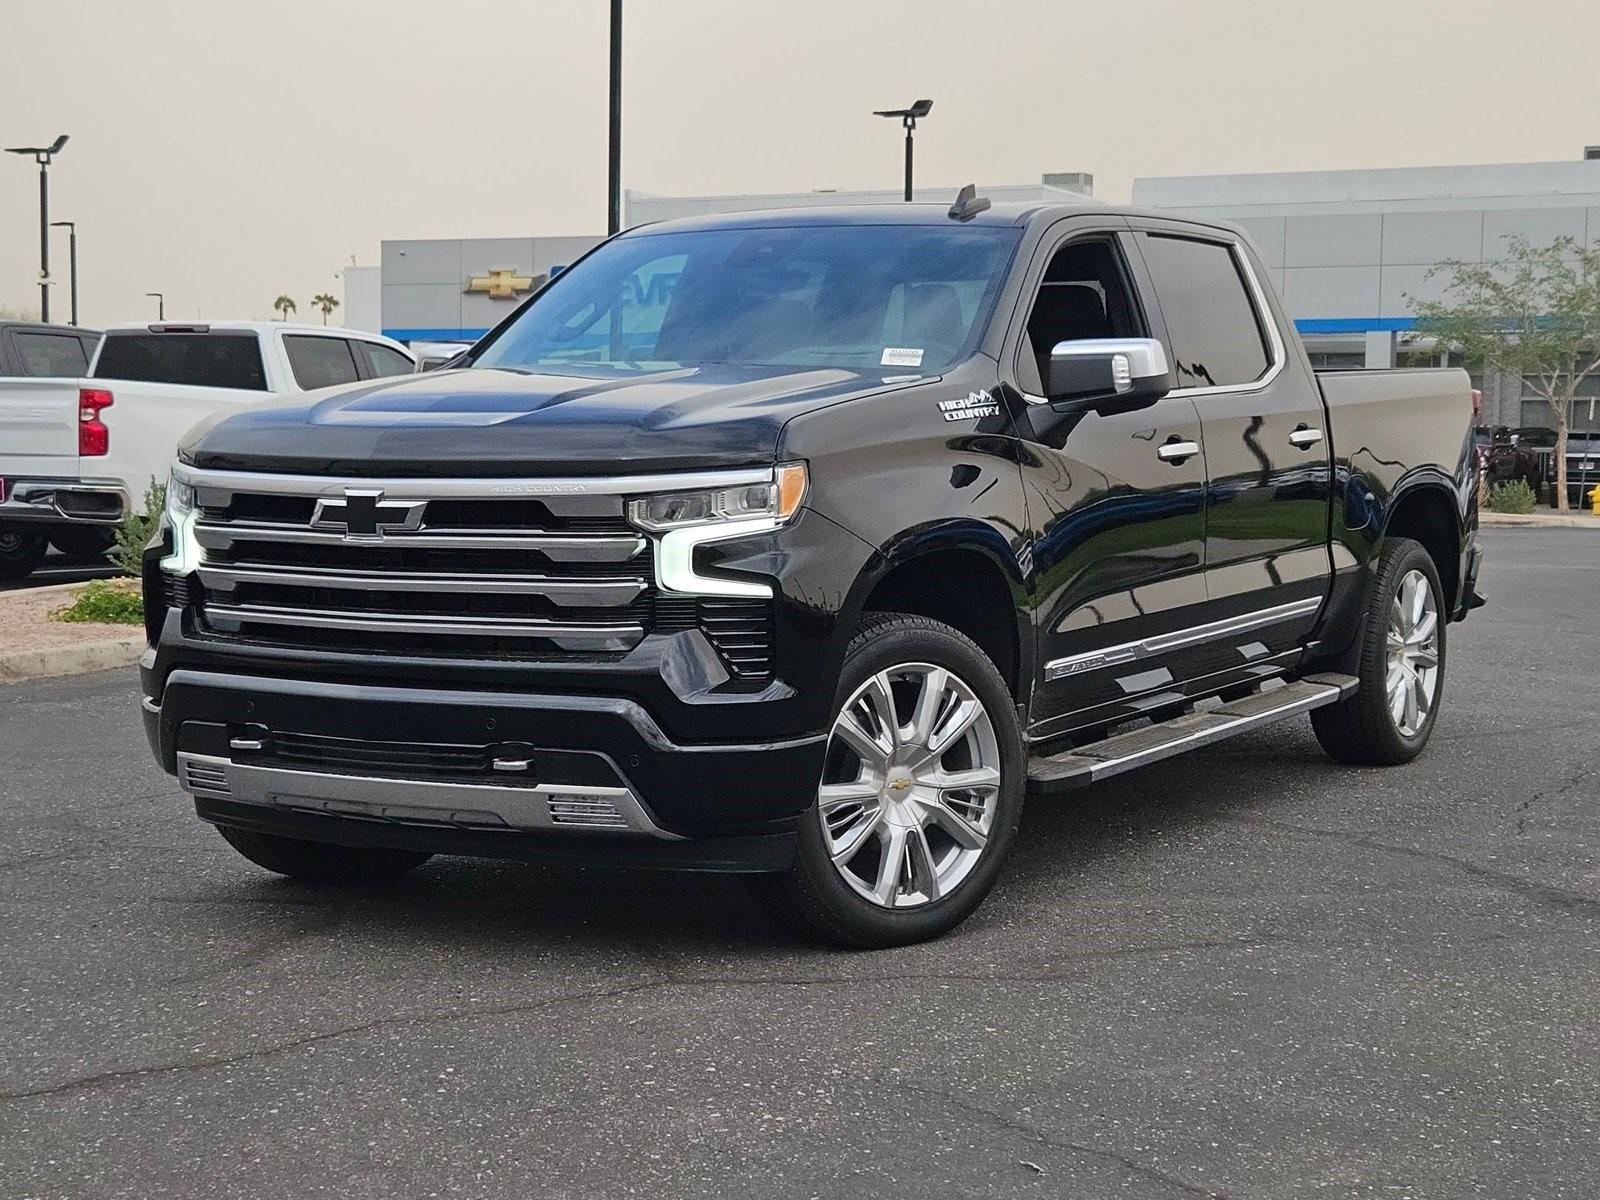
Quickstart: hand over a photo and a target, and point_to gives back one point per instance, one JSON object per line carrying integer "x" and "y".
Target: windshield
{"x": 895, "y": 298}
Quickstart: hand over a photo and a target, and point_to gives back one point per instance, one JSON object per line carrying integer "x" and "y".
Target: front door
{"x": 1116, "y": 505}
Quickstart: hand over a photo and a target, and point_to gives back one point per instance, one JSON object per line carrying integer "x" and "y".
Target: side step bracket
{"x": 1100, "y": 760}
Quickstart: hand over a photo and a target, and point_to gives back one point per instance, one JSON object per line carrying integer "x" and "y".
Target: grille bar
{"x": 555, "y": 546}
{"x": 584, "y": 593}
{"x": 566, "y": 635}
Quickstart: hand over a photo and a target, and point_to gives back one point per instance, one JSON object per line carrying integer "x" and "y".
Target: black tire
{"x": 812, "y": 896}
{"x": 1361, "y": 729}
{"x": 83, "y": 543}
{"x": 318, "y": 862}
{"x": 20, "y": 554}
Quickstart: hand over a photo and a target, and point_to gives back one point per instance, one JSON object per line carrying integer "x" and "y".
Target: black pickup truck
{"x": 804, "y": 545}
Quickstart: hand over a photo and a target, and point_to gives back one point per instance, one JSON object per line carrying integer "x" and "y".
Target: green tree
{"x": 326, "y": 303}
{"x": 285, "y": 305}
{"x": 1534, "y": 314}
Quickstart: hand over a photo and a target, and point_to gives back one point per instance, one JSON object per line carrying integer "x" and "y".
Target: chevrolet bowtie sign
{"x": 502, "y": 283}
{"x": 363, "y": 515}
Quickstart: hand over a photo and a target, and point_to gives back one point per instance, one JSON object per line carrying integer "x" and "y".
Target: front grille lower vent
{"x": 211, "y": 778}
{"x": 741, "y": 630}
{"x": 590, "y": 812}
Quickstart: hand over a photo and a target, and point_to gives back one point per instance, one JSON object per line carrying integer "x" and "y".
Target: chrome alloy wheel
{"x": 1412, "y": 648}
{"x": 910, "y": 786}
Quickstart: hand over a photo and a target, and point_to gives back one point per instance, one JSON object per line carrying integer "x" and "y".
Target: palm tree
{"x": 326, "y": 303}
{"x": 285, "y": 305}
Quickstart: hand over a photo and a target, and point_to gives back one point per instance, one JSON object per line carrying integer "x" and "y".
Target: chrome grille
{"x": 475, "y": 574}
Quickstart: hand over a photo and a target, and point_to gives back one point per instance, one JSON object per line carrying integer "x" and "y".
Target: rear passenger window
{"x": 320, "y": 362}
{"x": 221, "y": 360}
{"x": 383, "y": 361}
{"x": 1215, "y": 331}
{"x": 55, "y": 354}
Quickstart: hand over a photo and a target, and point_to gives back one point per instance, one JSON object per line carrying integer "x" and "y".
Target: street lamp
{"x": 72, "y": 262}
{"x": 161, "y": 305}
{"x": 42, "y": 155}
{"x": 908, "y": 118}
{"x": 614, "y": 161}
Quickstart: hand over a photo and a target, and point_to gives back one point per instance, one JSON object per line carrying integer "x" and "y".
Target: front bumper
{"x": 476, "y": 772}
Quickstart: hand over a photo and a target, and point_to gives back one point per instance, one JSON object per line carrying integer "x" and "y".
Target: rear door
{"x": 1268, "y": 453}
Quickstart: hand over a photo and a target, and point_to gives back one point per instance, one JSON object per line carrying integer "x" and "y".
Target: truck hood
{"x": 494, "y": 421}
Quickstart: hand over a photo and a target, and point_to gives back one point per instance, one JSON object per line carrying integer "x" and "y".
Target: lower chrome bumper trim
{"x": 550, "y": 807}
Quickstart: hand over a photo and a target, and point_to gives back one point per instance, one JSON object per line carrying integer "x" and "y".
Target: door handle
{"x": 1305, "y": 437}
{"x": 1175, "y": 450}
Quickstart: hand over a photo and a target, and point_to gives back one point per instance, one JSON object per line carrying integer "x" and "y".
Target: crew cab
{"x": 77, "y": 453}
{"x": 804, "y": 545}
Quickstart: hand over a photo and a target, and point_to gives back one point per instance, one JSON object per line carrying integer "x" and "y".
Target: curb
{"x": 1538, "y": 520}
{"x": 70, "y": 660}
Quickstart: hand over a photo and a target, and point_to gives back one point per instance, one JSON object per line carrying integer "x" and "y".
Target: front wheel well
{"x": 1428, "y": 516}
{"x": 964, "y": 589}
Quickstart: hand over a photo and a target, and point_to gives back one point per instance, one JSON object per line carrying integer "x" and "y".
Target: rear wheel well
{"x": 960, "y": 588}
{"x": 1427, "y": 515}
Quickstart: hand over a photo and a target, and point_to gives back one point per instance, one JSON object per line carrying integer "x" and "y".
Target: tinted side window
{"x": 223, "y": 360}
{"x": 320, "y": 361}
{"x": 382, "y": 361}
{"x": 56, "y": 354}
{"x": 1216, "y": 334}
{"x": 1084, "y": 294}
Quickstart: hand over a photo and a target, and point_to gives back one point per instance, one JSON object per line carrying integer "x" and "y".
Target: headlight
{"x": 180, "y": 498}
{"x": 181, "y": 516}
{"x": 777, "y": 500}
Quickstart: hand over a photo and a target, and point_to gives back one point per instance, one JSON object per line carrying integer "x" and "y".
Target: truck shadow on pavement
{"x": 1067, "y": 844}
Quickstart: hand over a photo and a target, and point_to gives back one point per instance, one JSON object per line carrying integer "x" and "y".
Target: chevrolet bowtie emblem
{"x": 502, "y": 283}
{"x": 362, "y": 515}
{"x": 900, "y": 785}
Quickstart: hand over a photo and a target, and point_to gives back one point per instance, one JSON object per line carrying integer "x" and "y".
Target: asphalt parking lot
{"x": 1249, "y": 973}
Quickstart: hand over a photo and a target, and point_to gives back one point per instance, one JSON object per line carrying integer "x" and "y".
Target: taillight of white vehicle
{"x": 94, "y": 439}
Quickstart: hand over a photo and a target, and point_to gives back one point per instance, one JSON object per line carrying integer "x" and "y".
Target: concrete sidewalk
{"x": 33, "y": 646}
{"x": 1542, "y": 518}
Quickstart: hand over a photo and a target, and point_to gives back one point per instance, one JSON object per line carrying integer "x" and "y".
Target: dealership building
{"x": 1348, "y": 250}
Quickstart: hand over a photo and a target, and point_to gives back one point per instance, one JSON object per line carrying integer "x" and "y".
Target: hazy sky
{"x": 224, "y": 152}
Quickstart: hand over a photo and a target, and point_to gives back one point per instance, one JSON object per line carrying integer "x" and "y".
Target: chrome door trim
{"x": 1126, "y": 652}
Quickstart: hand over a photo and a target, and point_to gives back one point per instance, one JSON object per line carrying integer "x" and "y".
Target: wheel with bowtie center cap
{"x": 920, "y": 793}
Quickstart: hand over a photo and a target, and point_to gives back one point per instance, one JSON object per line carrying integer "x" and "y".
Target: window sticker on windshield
{"x": 900, "y": 356}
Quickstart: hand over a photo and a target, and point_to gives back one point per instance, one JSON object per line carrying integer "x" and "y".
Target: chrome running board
{"x": 1100, "y": 760}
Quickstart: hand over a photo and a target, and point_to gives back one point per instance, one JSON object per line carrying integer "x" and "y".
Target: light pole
{"x": 908, "y": 118}
{"x": 161, "y": 305}
{"x": 614, "y": 164}
{"x": 42, "y": 155}
{"x": 72, "y": 263}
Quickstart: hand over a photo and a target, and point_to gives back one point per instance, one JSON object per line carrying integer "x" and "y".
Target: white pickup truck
{"x": 77, "y": 454}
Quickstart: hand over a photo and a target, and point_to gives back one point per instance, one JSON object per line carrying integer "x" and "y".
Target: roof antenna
{"x": 968, "y": 204}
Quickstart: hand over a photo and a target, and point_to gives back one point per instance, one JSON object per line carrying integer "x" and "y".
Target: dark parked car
{"x": 802, "y": 544}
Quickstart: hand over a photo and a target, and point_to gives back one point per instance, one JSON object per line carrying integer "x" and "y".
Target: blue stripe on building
{"x": 1305, "y": 325}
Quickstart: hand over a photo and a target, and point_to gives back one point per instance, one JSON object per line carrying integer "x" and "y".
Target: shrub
{"x": 105, "y": 601}
{"x": 1512, "y": 496}
{"x": 134, "y": 534}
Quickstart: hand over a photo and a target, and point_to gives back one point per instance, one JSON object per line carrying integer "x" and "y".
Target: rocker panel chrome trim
{"x": 1095, "y": 660}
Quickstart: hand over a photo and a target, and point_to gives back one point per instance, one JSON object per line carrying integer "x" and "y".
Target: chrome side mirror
{"x": 1109, "y": 374}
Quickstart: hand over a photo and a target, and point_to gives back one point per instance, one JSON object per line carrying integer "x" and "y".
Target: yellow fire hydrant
{"x": 1594, "y": 500}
